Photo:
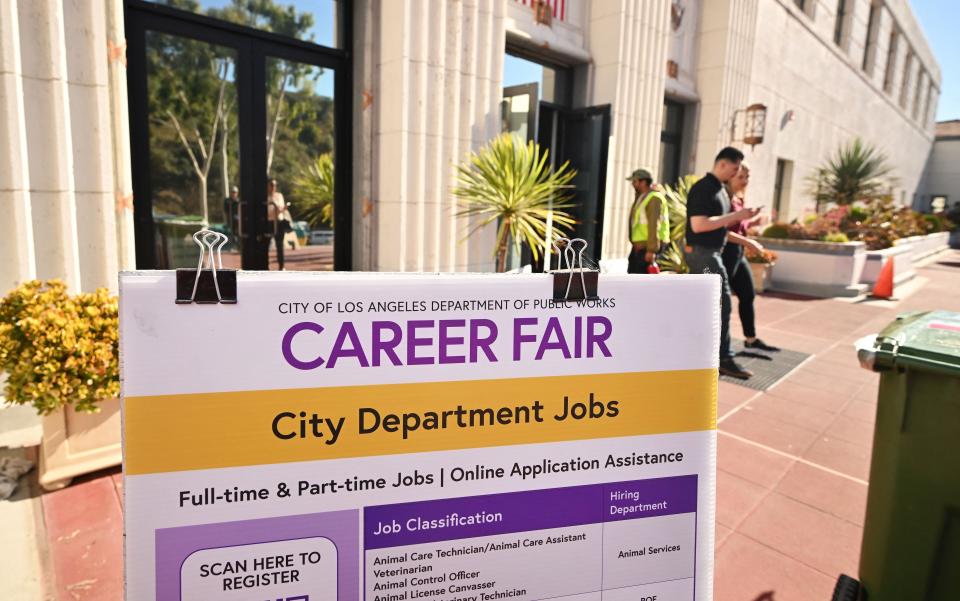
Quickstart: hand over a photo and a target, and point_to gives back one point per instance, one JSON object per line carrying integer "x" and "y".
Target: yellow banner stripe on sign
{"x": 202, "y": 431}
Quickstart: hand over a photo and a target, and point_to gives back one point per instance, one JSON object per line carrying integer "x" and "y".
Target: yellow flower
{"x": 58, "y": 348}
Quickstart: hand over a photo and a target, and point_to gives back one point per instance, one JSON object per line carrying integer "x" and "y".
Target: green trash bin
{"x": 911, "y": 534}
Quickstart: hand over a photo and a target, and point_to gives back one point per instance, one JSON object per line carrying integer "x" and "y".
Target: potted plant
{"x": 59, "y": 352}
{"x": 511, "y": 184}
{"x": 673, "y": 259}
{"x": 760, "y": 264}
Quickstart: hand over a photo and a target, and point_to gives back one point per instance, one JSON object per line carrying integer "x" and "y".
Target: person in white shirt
{"x": 277, "y": 216}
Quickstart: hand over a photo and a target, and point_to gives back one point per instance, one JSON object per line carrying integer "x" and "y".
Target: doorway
{"x": 218, "y": 109}
{"x": 538, "y": 106}
{"x": 671, "y": 142}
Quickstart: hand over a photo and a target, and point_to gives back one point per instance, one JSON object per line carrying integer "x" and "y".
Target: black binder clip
{"x": 575, "y": 282}
{"x": 214, "y": 285}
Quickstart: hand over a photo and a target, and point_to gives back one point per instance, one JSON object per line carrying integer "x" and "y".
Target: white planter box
{"x": 905, "y": 253}
{"x": 924, "y": 246}
{"x": 817, "y": 268}
{"x": 78, "y": 443}
{"x": 902, "y": 255}
{"x": 845, "y": 269}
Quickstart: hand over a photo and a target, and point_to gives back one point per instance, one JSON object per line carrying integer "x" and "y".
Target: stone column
{"x": 17, "y": 260}
{"x": 437, "y": 85}
{"x": 122, "y": 185}
{"x": 628, "y": 43}
{"x": 49, "y": 140}
{"x": 88, "y": 85}
{"x": 724, "y": 63}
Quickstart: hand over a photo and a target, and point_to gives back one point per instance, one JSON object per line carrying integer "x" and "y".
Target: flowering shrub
{"x": 877, "y": 224}
{"x": 58, "y": 348}
{"x": 767, "y": 257}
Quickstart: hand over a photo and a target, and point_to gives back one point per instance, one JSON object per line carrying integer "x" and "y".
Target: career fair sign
{"x": 345, "y": 437}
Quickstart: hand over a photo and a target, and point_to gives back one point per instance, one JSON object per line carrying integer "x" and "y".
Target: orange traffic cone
{"x": 883, "y": 288}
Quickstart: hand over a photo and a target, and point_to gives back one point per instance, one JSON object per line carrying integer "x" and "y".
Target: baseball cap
{"x": 640, "y": 174}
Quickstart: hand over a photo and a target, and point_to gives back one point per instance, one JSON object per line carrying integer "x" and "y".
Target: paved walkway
{"x": 793, "y": 462}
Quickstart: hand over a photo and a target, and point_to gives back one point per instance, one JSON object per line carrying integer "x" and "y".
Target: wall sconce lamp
{"x": 754, "y": 124}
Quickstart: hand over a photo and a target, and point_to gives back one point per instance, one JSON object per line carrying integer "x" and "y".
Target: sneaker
{"x": 760, "y": 345}
{"x": 729, "y": 367}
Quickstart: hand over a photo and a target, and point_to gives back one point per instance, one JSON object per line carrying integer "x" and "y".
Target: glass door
{"x": 300, "y": 164}
{"x": 237, "y": 129}
{"x": 519, "y": 111}
{"x": 185, "y": 140}
{"x": 580, "y": 136}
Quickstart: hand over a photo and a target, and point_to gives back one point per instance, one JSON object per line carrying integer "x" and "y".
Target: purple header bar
{"x": 469, "y": 517}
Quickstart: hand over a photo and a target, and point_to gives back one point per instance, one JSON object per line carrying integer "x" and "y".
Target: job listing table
{"x": 631, "y": 540}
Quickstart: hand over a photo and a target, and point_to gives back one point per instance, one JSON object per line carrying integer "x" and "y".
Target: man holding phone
{"x": 708, "y": 216}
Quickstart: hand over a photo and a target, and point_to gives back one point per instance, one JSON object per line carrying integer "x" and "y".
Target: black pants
{"x": 278, "y": 235}
{"x": 637, "y": 261}
{"x": 741, "y": 284}
{"x": 708, "y": 260}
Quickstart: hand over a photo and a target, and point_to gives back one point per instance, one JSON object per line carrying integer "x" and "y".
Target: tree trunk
{"x": 203, "y": 200}
{"x": 275, "y": 122}
{"x": 502, "y": 244}
{"x": 224, "y": 158}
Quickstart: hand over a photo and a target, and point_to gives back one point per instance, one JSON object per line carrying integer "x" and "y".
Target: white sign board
{"x": 384, "y": 437}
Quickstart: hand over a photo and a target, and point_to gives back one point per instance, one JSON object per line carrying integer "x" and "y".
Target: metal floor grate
{"x": 766, "y": 373}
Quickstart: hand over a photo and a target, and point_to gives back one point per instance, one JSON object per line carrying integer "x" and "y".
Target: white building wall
{"x": 724, "y": 71}
{"x": 57, "y": 170}
{"x": 628, "y": 45}
{"x": 942, "y": 174}
{"x": 797, "y": 67}
{"x": 436, "y": 87}
{"x": 17, "y": 255}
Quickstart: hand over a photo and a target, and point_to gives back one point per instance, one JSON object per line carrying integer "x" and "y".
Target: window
{"x": 553, "y": 83}
{"x": 915, "y": 113}
{"x": 891, "y": 61}
{"x": 315, "y": 21}
{"x": 806, "y": 6}
{"x": 671, "y": 141}
{"x": 840, "y": 23}
{"x": 931, "y": 92}
{"x": 905, "y": 82}
{"x": 870, "y": 48}
{"x": 781, "y": 190}
{"x": 217, "y": 110}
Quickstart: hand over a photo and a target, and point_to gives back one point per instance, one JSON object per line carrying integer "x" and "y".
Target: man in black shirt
{"x": 708, "y": 215}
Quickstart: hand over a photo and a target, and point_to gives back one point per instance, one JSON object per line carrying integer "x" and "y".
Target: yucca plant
{"x": 314, "y": 191}
{"x": 672, "y": 258}
{"x": 511, "y": 184}
{"x": 858, "y": 171}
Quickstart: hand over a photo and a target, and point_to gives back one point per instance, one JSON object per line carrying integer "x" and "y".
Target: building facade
{"x": 940, "y": 187}
{"x": 126, "y": 124}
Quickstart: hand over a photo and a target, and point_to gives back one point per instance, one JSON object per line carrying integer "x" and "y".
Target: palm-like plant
{"x": 672, "y": 258}
{"x": 858, "y": 171}
{"x": 510, "y": 183}
{"x": 314, "y": 191}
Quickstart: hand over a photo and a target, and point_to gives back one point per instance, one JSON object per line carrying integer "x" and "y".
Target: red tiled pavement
{"x": 793, "y": 463}
{"x": 85, "y": 538}
{"x": 806, "y": 443}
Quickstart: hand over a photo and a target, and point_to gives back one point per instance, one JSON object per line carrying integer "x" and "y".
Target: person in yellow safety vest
{"x": 649, "y": 225}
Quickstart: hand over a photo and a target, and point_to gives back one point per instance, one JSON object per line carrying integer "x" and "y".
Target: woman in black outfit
{"x": 738, "y": 270}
